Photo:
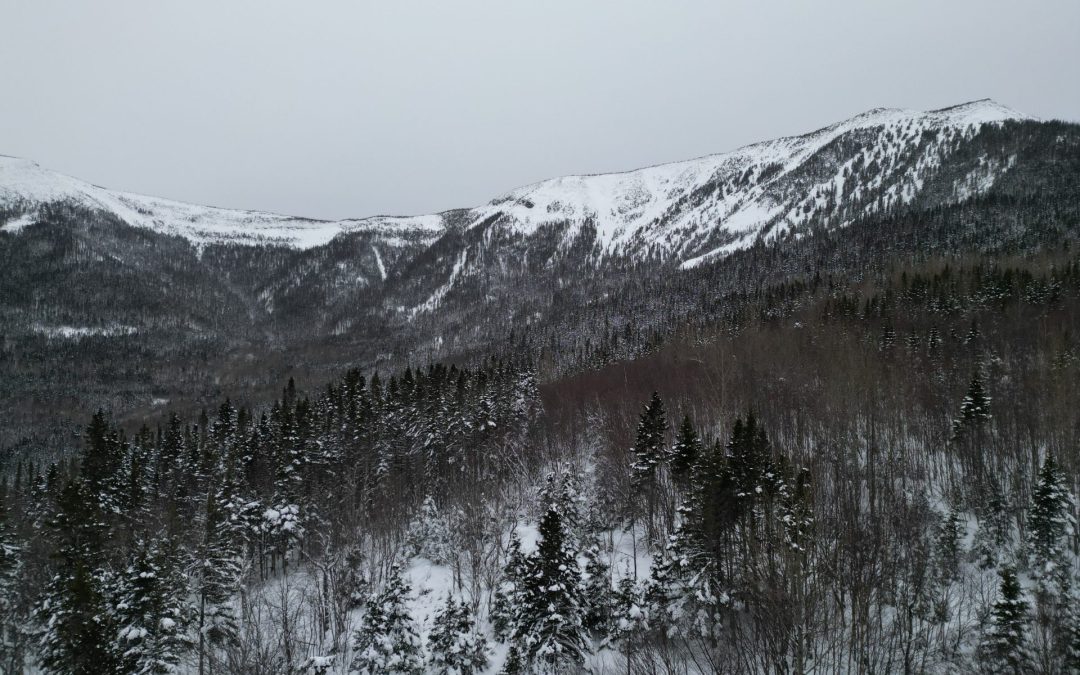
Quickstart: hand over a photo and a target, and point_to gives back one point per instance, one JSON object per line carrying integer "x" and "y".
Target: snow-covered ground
{"x": 430, "y": 583}
{"x": 79, "y": 332}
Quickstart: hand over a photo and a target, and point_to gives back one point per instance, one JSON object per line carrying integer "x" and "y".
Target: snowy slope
{"x": 26, "y": 186}
{"x": 731, "y": 197}
{"x": 692, "y": 210}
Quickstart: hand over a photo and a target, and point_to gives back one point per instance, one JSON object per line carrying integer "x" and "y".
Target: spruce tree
{"x": 550, "y": 634}
{"x": 709, "y": 513}
{"x": 649, "y": 447}
{"x": 456, "y": 646}
{"x": 685, "y": 451}
{"x": 152, "y": 611}
{"x": 947, "y": 548}
{"x": 598, "y": 593}
{"x": 510, "y": 590}
{"x": 974, "y": 409}
{"x": 215, "y": 578}
{"x": 14, "y": 636}
{"x": 514, "y": 664}
{"x": 1049, "y": 519}
{"x": 994, "y": 531}
{"x": 749, "y": 466}
{"x": 100, "y": 459}
{"x": 102, "y": 462}
{"x": 1050, "y": 527}
{"x": 684, "y": 594}
{"x": 649, "y": 454}
{"x": 387, "y": 641}
{"x": 77, "y": 629}
{"x": 629, "y": 608}
{"x": 429, "y": 534}
{"x": 1004, "y": 647}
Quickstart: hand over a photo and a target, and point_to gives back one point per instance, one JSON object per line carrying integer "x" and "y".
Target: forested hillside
{"x": 144, "y": 320}
{"x": 878, "y": 476}
{"x": 527, "y": 441}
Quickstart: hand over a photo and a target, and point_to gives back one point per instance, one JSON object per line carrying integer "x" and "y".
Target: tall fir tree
{"x": 550, "y": 635}
{"x": 995, "y": 529}
{"x": 1005, "y": 646}
{"x": 102, "y": 462}
{"x": 974, "y": 409}
{"x": 215, "y": 578}
{"x": 152, "y": 611}
{"x": 387, "y": 641}
{"x": 511, "y": 588}
{"x": 685, "y": 452}
{"x": 14, "y": 636}
{"x": 77, "y": 629}
{"x": 1050, "y": 528}
{"x": 630, "y": 609}
{"x": 1049, "y": 519}
{"x": 455, "y": 644}
{"x": 598, "y": 594}
{"x": 650, "y": 453}
{"x": 650, "y": 443}
{"x": 947, "y": 548}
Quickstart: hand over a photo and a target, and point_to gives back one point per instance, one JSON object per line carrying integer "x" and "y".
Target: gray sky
{"x": 353, "y": 108}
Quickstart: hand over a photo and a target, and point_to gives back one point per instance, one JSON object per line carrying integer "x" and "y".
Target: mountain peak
{"x": 980, "y": 111}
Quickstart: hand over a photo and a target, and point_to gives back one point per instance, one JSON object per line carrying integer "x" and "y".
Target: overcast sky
{"x": 353, "y": 108}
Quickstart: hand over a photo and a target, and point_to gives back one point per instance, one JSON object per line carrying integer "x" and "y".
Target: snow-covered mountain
{"x": 25, "y": 186}
{"x": 703, "y": 207}
{"x": 581, "y": 269}
{"x": 691, "y": 211}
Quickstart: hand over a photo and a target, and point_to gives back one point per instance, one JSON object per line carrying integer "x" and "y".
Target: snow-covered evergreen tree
{"x": 649, "y": 446}
{"x": 630, "y": 609}
{"x": 1049, "y": 520}
{"x": 508, "y": 593}
{"x": 387, "y": 641}
{"x": 992, "y": 537}
{"x": 562, "y": 491}
{"x": 14, "y": 634}
{"x": 215, "y": 578}
{"x": 152, "y": 612}
{"x": 683, "y": 595}
{"x": 685, "y": 451}
{"x": 1050, "y": 528}
{"x": 550, "y": 635}
{"x": 455, "y": 644}
{"x": 77, "y": 629}
{"x": 1005, "y": 646}
{"x": 102, "y": 463}
{"x": 947, "y": 548}
{"x": 750, "y": 465}
{"x": 974, "y": 409}
{"x": 599, "y": 595}
{"x": 429, "y": 534}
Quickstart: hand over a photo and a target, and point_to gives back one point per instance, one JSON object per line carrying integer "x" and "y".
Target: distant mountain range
{"x": 152, "y": 283}
{"x": 692, "y": 210}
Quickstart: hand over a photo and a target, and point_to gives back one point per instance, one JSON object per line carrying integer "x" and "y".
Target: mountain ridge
{"x": 127, "y": 310}
{"x": 623, "y": 212}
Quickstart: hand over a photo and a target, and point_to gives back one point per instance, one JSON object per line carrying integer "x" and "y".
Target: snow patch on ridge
{"x": 433, "y": 302}
{"x": 80, "y": 332}
{"x": 379, "y": 262}
{"x": 17, "y": 224}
